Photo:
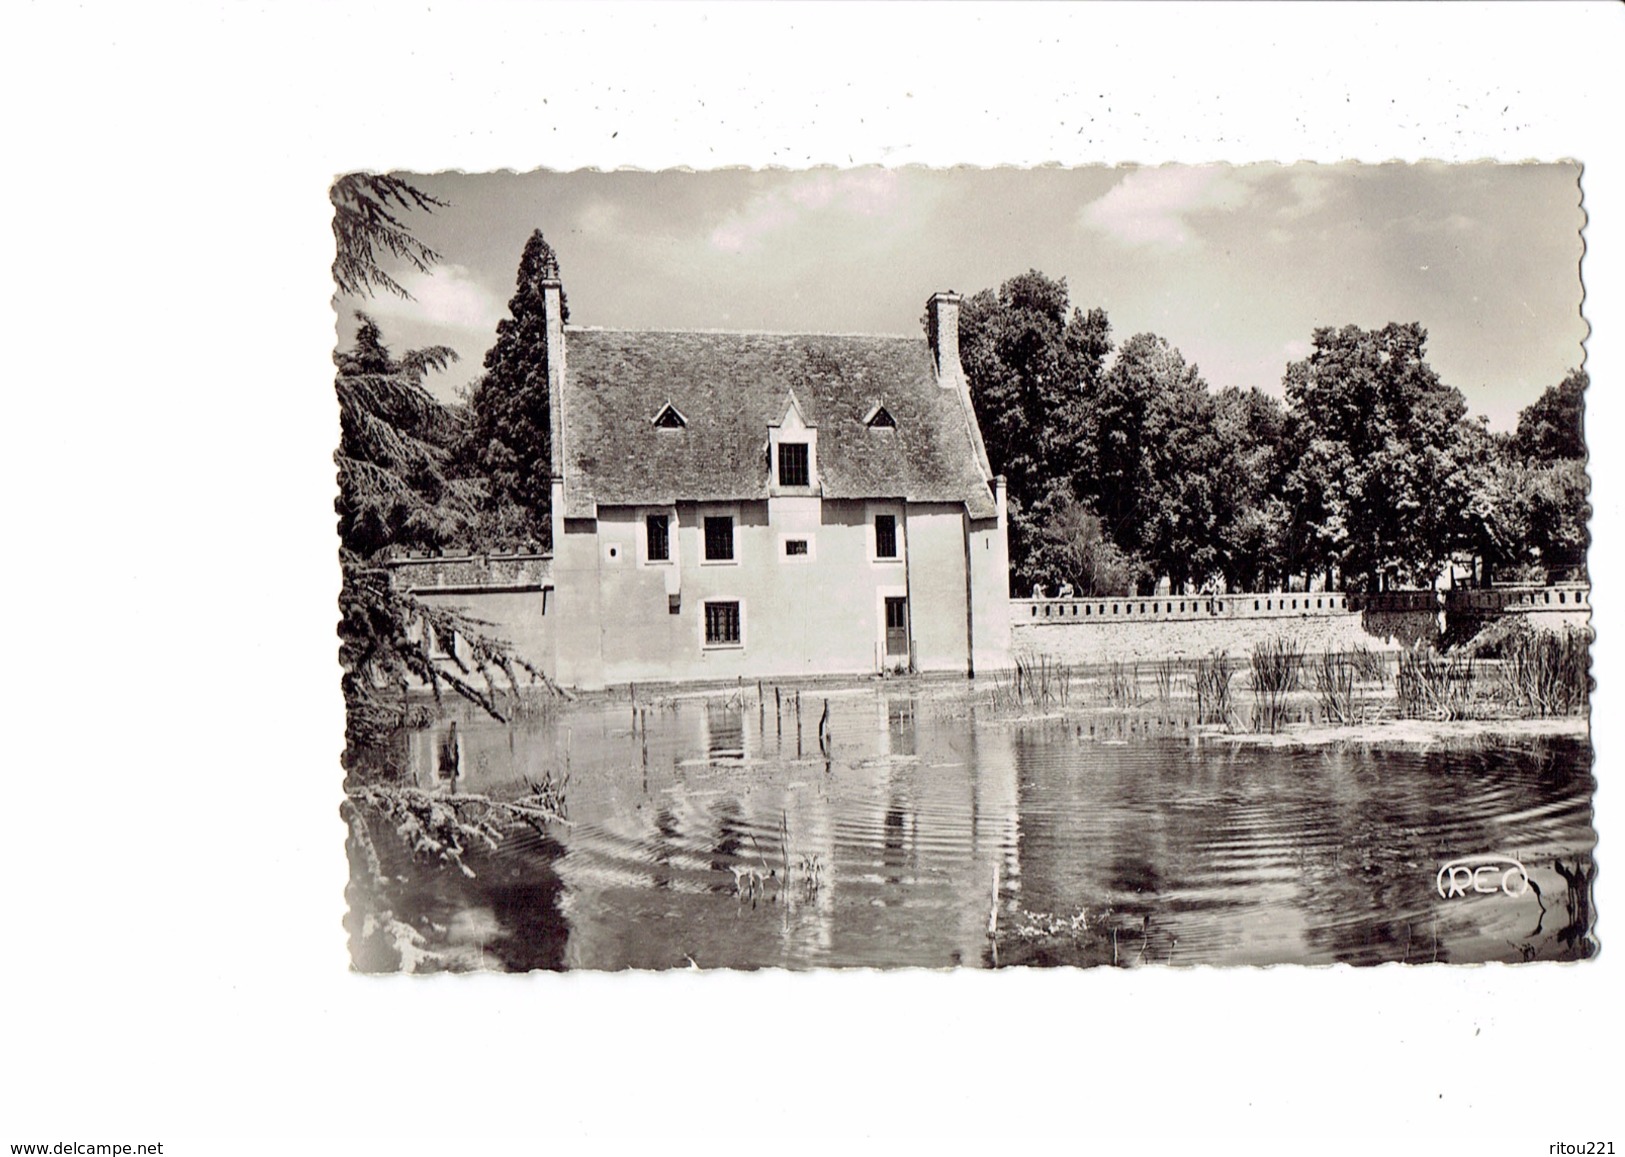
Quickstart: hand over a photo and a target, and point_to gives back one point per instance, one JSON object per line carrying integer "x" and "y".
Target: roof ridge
{"x": 745, "y": 332}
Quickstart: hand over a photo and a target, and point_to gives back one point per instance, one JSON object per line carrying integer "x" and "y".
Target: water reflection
{"x": 709, "y": 832}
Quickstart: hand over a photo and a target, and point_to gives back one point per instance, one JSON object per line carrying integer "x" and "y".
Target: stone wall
{"x": 422, "y": 573}
{"x": 1132, "y": 630}
{"x": 1088, "y": 631}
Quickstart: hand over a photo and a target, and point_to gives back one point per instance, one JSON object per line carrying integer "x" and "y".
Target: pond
{"x": 713, "y": 832}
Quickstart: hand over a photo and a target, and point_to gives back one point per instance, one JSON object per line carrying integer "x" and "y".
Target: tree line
{"x": 1126, "y": 471}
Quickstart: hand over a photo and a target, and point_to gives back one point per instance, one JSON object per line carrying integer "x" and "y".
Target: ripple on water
{"x": 887, "y": 854}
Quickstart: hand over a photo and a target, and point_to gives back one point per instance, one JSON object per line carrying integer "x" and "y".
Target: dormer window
{"x": 879, "y": 418}
{"x": 792, "y": 445}
{"x": 793, "y": 464}
{"x": 669, "y": 418}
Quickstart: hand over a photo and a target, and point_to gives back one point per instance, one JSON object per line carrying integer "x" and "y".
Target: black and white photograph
{"x": 857, "y": 578}
{"x": 792, "y": 573}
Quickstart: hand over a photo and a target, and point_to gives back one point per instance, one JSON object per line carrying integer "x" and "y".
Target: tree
{"x": 365, "y": 226}
{"x": 1380, "y": 485}
{"x": 1031, "y": 367}
{"x": 1072, "y": 547}
{"x": 396, "y": 488}
{"x": 1156, "y": 460}
{"x": 1251, "y": 531}
{"x": 512, "y": 423}
{"x": 395, "y": 491}
{"x": 394, "y": 450}
{"x": 1553, "y": 426}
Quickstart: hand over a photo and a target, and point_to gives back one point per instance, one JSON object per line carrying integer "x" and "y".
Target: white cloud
{"x": 1156, "y": 207}
{"x": 1152, "y": 206}
{"x": 862, "y": 193}
{"x": 448, "y": 296}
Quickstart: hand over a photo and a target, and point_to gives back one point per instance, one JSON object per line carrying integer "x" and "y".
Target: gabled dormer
{"x": 792, "y": 447}
{"x": 669, "y": 418}
{"x": 879, "y": 418}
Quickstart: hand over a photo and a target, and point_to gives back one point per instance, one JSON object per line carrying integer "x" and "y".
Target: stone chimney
{"x": 553, "y": 308}
{"x": 942, "y": 313}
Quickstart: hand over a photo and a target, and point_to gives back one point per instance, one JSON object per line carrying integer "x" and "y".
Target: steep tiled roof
{"x": 729, "y": 388}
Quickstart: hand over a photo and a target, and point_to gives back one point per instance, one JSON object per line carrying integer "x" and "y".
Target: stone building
{"x": 753, "y": 505}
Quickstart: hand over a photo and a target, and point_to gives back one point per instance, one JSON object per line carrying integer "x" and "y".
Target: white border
{"x": 182, "y": 954}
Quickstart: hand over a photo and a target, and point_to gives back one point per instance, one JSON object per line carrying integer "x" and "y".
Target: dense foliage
{"x": 366, "y": 226}
{"x": 510, "y": 436}
{"x": 400, "y": 485}
{"x": 1125, "y": 469}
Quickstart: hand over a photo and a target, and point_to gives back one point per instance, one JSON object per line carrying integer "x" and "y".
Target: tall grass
{"x": 1165, "y": 672}
{"x": 1212, "y": 682}
{"x": 1547, "y": 672}
{"x": 1035, "y": 682}
{"x": 1121, "y": 685}
{"x": 1433, "y": 686}
{"x": 1277, "y": 665}
{"x": 1334, "y": 687}
{"x": 1369, "y": 666}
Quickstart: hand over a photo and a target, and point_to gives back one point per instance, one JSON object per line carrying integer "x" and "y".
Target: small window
{"x": 885, "y": 536}
{"x": 719, "y": 539}
{"x": 880, "y": 419}
{"x": 669, "y": 418}
{"x": 793, "y": 469}
{"x": 657, "y": 534}
{"x": 795, "y": 546}
{"x": 722, "y": 624}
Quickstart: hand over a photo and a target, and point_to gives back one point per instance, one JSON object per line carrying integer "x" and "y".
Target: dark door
{"x": 896, "y": 627}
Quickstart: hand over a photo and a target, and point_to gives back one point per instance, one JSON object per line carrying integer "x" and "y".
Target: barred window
{"x": 721, "y": 624}
{"x": 719, "y": 539}
{"x": 795, "y": 546}
{"x": 657, "y": 532}
{"x": 885, "y": 536}
{"x": 793, "y": 470}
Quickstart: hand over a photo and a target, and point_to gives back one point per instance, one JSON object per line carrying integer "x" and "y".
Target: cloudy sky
{"x": 1235, "y": 266}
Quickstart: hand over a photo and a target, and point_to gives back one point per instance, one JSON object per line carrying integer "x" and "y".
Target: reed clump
{"x": 1429, "y": 685}
{"x": 1034, "y": 683}
{"x": 1212, "y": 684}
{"x": 1546, "y": 672}
{"x": 1277, "y": 665}
{"x": 1121, "y": 685}
{"x": 1166, "y": 671}
{"x": 1333, "y": 677}
{"x": 1369, "y": 666}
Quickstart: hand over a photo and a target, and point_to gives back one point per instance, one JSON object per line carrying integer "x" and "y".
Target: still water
{"x": 715, "y": 832}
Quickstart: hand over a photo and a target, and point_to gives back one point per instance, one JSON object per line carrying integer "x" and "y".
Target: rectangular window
{"x": 721, "y": 624}
{"x": 657, "y": 533}
{"x": 885, "y": 536}
{"x": 445, "y": 643}
{"x": 793, "y": 464}
{"x": 796, "y": 546}
{"x": 719, "y": 539}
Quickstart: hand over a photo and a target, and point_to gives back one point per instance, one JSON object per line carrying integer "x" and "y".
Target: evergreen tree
{"x": 365, "y": 227}
{"x": 512, "y": 425}
{"x": 397, "y": 487}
